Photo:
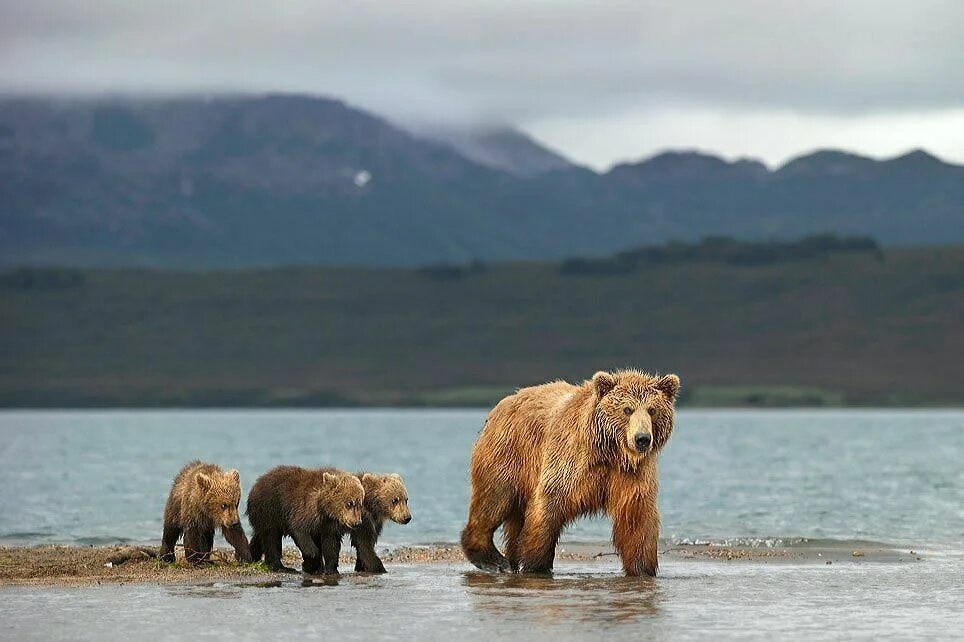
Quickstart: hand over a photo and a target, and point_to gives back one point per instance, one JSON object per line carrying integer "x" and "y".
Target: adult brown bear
{"x": 551, "y": 453}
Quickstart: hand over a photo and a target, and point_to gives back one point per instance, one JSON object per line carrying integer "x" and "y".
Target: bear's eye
{"x": 651, "y": 411}
{"x": 224, "y": 506}
{"x": 395, "y": 501}
{"x": 349, "y": 504}
{"x": 628, "y": 410}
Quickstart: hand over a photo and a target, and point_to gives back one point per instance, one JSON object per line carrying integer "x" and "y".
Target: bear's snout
{"x": 407, "y": 520}
{"x": 643, "y": 440}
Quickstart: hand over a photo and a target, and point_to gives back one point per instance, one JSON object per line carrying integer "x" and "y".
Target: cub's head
{"x": 340, "y": 497}
{"x": 221, "y": 493}
{"x": 386, "y": 496}
{"x": 634, "y": 411}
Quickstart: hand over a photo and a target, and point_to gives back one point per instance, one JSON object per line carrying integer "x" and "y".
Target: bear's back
{"x": 520, "y": 421}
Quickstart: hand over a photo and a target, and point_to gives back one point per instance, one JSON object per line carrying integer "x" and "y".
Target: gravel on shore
{"x": 91, "y": 566}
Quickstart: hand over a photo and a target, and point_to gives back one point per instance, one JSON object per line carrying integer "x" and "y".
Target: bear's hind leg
{"x": 271, "y": 541}
{"x": 486, "y": 514}
{"x": 255, "y": 546}
{"x": 512, "y": 533}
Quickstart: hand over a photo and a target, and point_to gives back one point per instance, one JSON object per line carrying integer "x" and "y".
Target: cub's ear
{"x": 203, "y": 482}
{"x": 669, "y": 386}
{"x": 328, "y": 478}
{"x": 603, "y": 383}
{"x": 234, "y": 475}
{"x": 396, "y": 477}
{"x": 369, "y": 478}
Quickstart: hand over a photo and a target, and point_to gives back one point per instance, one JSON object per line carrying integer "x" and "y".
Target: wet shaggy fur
{"x": 315, "y": 507}
{"x": 203, "y": 498}
{"x": 385, "y": 498}
{"x": 552, "y": 453}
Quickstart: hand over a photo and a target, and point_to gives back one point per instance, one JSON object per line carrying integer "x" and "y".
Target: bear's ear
{"x": 369, "y": 478}
{"x": 203, "y": 482}
{"x": 603, "y": 383}
{"x": 396, "y": 477}
{"x": 328, "y": 479}
{"x": 234, "y": 476}
{"x": 669, "y": 386}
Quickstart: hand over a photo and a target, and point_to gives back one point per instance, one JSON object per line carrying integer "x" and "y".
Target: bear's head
{"x": 221, "y": 493}
{"x": 387, "y": 497}
{"x": 340, "y": 497}
{"x": 634, "y": 412}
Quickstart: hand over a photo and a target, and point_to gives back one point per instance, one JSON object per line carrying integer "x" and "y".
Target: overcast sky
{"x": 601, "y": 81}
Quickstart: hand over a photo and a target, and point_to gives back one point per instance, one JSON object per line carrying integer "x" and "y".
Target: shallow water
{"x": 896, "y": 476}
{"x": 767, "y": 477}
{"x": 689, "y": 599}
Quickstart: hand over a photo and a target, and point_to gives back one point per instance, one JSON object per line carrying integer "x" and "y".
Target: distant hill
{"x": 821, "y": 321}
{"x": 274, "y": 180}
{"x": 505, "y": 149}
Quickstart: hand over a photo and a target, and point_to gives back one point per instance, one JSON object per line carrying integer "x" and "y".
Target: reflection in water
{"x": 330, "y": 579}
{"x": 265, "y": 584}
{"x": 206, "y": 590}
{"x": 572, "y": 596}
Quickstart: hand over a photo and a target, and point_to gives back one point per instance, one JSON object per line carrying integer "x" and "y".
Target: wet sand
{"x": 92, "y": 566}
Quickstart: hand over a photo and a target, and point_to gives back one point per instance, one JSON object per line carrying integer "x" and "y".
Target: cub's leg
{"x": 366, "y": 560}
{"x": 172, "y": 532}
{"x": 310, "y": 555}
{"x": 330, "y": 550}
{"x": 235, "y": 537}
{"x": 198, "y": 544}
{"x": 271, "y": 541}
{"x": 314, "y": 566}
{"x": 255, "y": 547}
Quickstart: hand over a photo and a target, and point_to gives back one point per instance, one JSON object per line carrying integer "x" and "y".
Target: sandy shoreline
{"x": 92, "y": 566}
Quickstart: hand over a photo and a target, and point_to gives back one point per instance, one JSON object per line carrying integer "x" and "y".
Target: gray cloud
{"x": 507, "y": 61}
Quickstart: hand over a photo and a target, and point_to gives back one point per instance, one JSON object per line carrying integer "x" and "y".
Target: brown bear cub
{"x": 385, "y": 498}
{"x": 552, "y": 453}
{"x": 203, "y": 498}
{"x": 315, "y": 507}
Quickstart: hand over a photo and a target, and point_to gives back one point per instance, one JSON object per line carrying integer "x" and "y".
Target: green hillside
{"x": 845, "y": 325}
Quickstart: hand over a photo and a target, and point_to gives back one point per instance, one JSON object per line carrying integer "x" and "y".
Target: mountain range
{"x": 239, "y": 181}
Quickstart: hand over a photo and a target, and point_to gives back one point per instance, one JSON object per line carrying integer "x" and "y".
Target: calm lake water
{"x": 81, "y": 477}
{"x": 765, "y": 477}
